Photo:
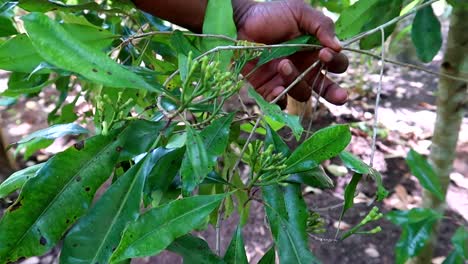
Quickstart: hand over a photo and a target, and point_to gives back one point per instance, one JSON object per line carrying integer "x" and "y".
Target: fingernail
{"x": 337, "y": 41}
{"x": 327, "y": 56}
{"x": 287, "y": 69}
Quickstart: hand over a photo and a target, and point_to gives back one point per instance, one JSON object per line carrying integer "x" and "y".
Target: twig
{"x": 377, "y": 101}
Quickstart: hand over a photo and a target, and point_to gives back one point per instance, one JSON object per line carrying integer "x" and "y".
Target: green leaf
{"x": 296, "y": 209}
{"x": 350, "y": 190}
{"x": 95, "y": 235}
{"x": 426, "y": 34}
{"x": 17, "y": 179}
{"x": 7, "y": 27}
{"x": 417, "y": 227}
{"x": 458, "y": 3}
{"x": 7, "y": 101}
{"x": 460, "y": 242}
{"x": 317, "y": 177}
{"x": 157, "y": 228}
{"x": 19, "y": 55}
{"x": 269, "y": 257}
{"x": 194, "y": 250}
{"x": 62, "y": 191}
{"x": 275, "y": 113}
{"x": 364, "y": 15}
{"x": 235, "y": 253}
{"x": 219, "y": 20}
{"x": 291, "y": 246}
{"x": 274, "y": 199}
{"x": 23, "y": 83}
{"x": 215, "y": 137}
{"x": 55, "y": 131}
{"x": 272, "y": 138}
{"x": 454, "y": 258}
{"x": 269, "y": 55}
{"x": 63, "y": 50}
{"x": 357, "y": 165}
{"x": 322, "y": 145}
{"x": 336, "y": 6}
{"x": 426, "y": 175}
{"x": 196, "y": 164}
{"x": 32, "y": 147}
{"x": 384, "y": 12}
{"x": 167, "y": 165}
{"x": 44, "y": 6}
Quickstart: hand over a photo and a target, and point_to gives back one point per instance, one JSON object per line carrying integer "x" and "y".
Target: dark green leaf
{"x": 275, "y": 113}
{"x": 95, "y": 235}
{"x": 55, "y": 131}
{"x": 322, "y": 145}
{"x": 460, "y": 242}
{"x": 196, "y": 164}
{"x": 23, "y": 83}
{"x": 454, "y": 258}
{"x": 194, "y": 250}
{"x": 167, "y": 165}
{"x": 296, "y": 209}
{"x": 6, "y": 27}
{"x": 235, "y": 253}
{"x": 31, "y": 147}
{"x": 269, "y": 257}
{"x": 60, "y": 48}
{"x": 44, "y": 6}
{"x": 383, "y": 12}
{"x": 17, "y": 180}
{"x": 215, "y": 137}
{"x": 274, "y": 200}
{"x": 426, "y": 34}
{"x": 350, "y": 191}
{"x": 61, "y": 192}
{"x": 425, "y": 173}
{"x": 417, "y": 227}
{"x": 269, "y": 55}
{"x": 272, "y": 138}
{"x": 357, "y": 165}
{"x": 291, "y": 246}
{"x": 317, "y": 177}
{"x": 157, "y": 228}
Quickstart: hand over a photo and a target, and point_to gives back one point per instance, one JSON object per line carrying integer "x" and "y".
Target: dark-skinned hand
{"x": 277, "y": 22}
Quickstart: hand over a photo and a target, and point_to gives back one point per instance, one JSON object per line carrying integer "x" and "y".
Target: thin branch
{"x": 154, "y": 33}
{"x": 377, "y": 101}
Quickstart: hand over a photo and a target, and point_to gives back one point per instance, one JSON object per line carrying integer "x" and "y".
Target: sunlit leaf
{"x": 275, "y": 113}
{"x": 55, "y": 131}
{"x": 425, "y": 173}
{"x": 18, "y": 179}
{"x": 322, "y": 145}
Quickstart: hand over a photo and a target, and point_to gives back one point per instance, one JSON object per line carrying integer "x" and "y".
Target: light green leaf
{"x": 272, "y": 138}
{"x": 17, "y": 179}
{"x": 219, "y": 20}
{"x": 62, "y": 191}
{"x": 95, "y": 235}
{"x": 322, "y": 145}
{"x": 357, "y": 165}
{"x": 235, "y": 253}
{"x": 44, "y": 6}
{"x": 55, "y": 131}
{"x": 426, "y": 34}
{"x": 159, "y": 227}
{"x": 63, "y": 50}
{"x": 275, "y": 113}
{"x": 23, "y": 83}
{"x": 194, "y": 250}
{"x": 19, "y": 55}
{"x": 215, "y": 137}
{"x": 425, "y": 173}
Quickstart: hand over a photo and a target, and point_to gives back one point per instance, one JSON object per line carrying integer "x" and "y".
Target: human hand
{"x": 276, "y": 22}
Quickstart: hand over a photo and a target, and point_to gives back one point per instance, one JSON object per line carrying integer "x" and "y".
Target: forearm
{"x": 186, "y": 13}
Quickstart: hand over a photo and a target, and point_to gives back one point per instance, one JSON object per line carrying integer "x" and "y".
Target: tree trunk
{"x": 451, "y": 104}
